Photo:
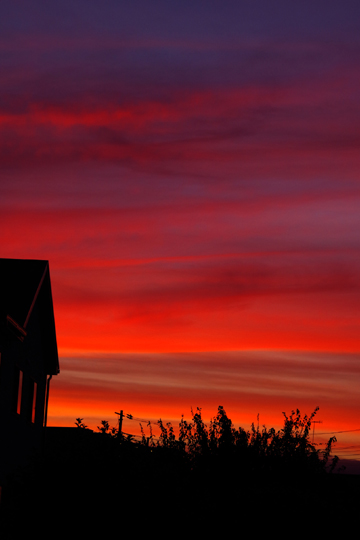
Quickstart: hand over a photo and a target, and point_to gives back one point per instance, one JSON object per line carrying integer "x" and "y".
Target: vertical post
{"x": 315, "y": 422}
{"x": 120, "y": 422}
{"x": 121, "y": 416}
{"x": 47, "y": 400}
{"x": 46, "y": 412}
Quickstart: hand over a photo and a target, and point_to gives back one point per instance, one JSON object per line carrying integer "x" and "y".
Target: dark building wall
{"x": 21, "y": 430}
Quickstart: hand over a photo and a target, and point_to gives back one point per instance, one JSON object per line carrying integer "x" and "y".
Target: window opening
{"x": 33, "y": 406}
{"x": 19, "y": 391}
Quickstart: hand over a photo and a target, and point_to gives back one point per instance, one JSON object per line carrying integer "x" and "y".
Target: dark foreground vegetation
{"x": 210, "y": 477}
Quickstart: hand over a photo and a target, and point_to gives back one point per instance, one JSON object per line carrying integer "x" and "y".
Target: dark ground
{"x": 80, "y": 491}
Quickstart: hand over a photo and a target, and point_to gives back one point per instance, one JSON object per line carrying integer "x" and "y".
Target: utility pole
{"x": 315, "y": 422}
{"x": 121, "y": 416}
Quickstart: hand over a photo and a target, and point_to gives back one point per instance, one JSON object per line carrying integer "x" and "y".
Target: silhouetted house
{"x": 28, "y": 359}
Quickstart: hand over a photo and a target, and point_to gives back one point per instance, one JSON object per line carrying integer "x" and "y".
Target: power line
{"x": 131, "y": 417}
{"x": 345, "y": 431}
{"x": 148, "y": 422}
{"x": 315, "y": 422}
{"x": 357, "y": 446}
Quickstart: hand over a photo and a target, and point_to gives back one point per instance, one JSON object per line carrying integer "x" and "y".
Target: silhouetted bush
{"x": 265, "y": 450}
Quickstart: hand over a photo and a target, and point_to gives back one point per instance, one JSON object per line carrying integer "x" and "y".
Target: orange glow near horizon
{"x": 151, "y": 386}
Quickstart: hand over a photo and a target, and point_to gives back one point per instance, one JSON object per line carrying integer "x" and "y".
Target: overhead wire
{"x": 339, "y": 449}
{"x": 334, "y": 432}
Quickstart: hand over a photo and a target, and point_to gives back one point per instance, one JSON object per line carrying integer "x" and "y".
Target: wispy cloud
{"x": 246, "y": 383}
{"x": 192, "y": 176}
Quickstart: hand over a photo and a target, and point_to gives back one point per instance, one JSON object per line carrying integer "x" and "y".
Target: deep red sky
{"x": 192, "y": 175}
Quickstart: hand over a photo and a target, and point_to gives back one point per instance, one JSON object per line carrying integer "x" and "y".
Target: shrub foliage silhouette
{"x": 261, "y": 450}
{"x": 202, "y": 447}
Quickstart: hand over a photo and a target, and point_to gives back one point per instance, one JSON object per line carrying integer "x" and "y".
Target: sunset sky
{"x": 191, "y": 172}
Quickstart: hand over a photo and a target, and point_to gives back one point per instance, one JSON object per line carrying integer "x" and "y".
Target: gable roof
{"x": 24, "y": 283}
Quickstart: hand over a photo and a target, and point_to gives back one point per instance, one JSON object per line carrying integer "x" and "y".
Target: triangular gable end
{"x": 24, "y": 283}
